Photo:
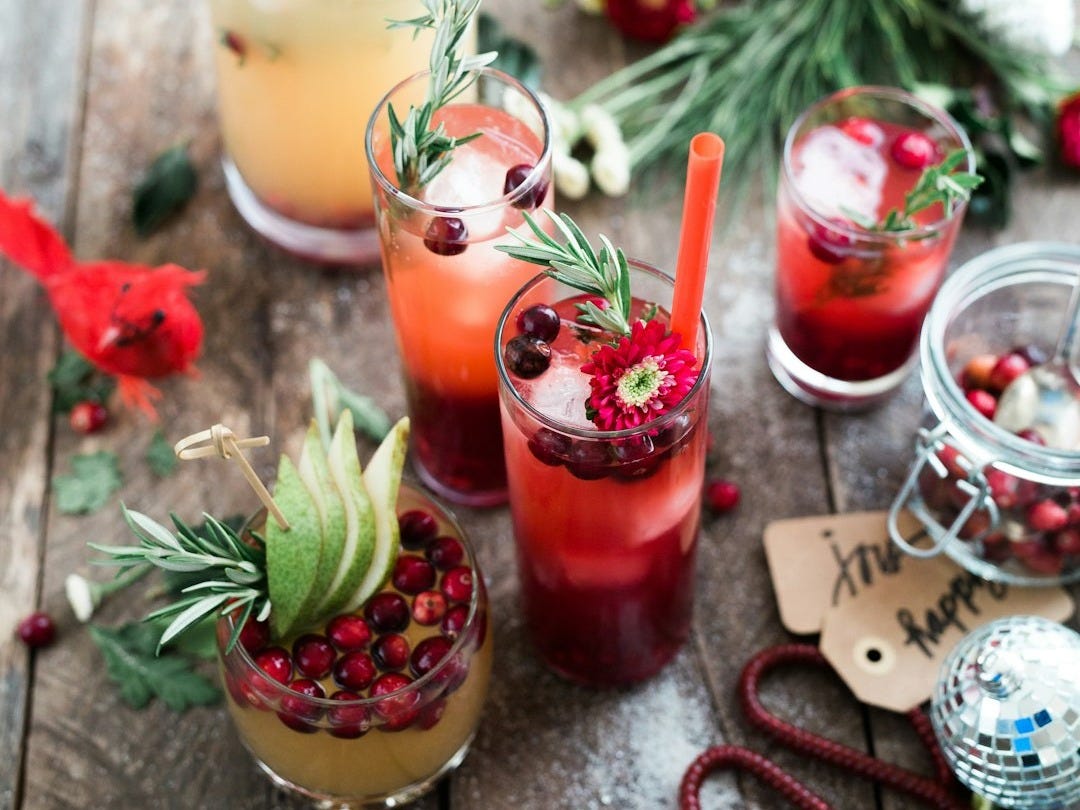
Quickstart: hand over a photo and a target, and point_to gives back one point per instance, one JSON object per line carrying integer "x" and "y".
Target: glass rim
{"x": 578, "y": 432}
{"x": 999, "y": 268}
{"x": 895, "y": 94}
{"x": 390, "y": 187}
{"x": 417, "y": 684}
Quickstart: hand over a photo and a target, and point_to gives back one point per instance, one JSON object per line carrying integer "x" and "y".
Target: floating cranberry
{"x": 88, "y": 417}
{"x": 398, "y": 711}
{"x": 862, "y": 130}
{"x": 828, "y": 243}
{"x": 240, "y": 691}
{"x": 589, "y": 460}
{"x": 428, "y": 654}
{"x": 254, "y": 635}
{"x": 636, "y": 456}
{"x": 348, "y": 721}
{"x": 457, "y": 584}
{"x": 454, "y": 621}
{"x": 348, "y": 632}
{"x": 532, "y": 197}
{"x": 722, "y": 495}
{"x": 1047, "y": 516}
{"x": 418, "y": 528}
{"x": 446, "y": 236}
{"x": 387, "y": 612}
{"x": 355, "y": 670}
{"x": 390, "y": 651}
{"x": 297, "y": 712}
{"x": 431, "y": 714}
{"x": 428, "y": 608}
{"x": 549, "y": 447}
{"x": 539, "y": 321}
{"x": 313, "y": 655}
{"x": 1008, "y": 368}
{"x": 914, "y": 150}
{"x": 37, "y": 630}
{"x": 527, "y": 356}
{"x": 275, "y": 662}
{"x": 413, "y": 574}
{"x": 445, "y": 552}
{"x": 982, "y": 401}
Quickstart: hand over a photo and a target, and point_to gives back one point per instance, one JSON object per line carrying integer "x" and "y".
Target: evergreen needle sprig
{"x": 938, "y": 184}
{"x": 421, "y": 152}
{"x": 232, "y": 574}
{"x": 577, "y": 265}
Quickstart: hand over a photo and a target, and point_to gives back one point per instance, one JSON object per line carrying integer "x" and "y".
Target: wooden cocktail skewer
{"x": 222, "y": 442}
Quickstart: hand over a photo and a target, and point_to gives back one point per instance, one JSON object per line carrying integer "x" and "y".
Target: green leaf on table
{"x": 140, "y": 675}
{"x": 160, "y": 456}
{"x": 74, "y": 379}
{"x": 515, "y": 57}
{"x": 94, "y": 477}
{"x": 169, "y": 183}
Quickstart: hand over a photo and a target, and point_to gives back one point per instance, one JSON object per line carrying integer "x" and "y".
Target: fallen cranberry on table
{"x": 721, "y": 495}
{"x": 37, "y": 630}
{"x": 88, "y": 417}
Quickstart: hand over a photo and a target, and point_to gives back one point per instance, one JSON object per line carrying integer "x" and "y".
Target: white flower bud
{"x": 1036, "y": 26}
{"x": 611, "y": 169}
{"x": 80, "y": 595}
{"x": 571, "y": 176}
{"x": 601, "y": 128}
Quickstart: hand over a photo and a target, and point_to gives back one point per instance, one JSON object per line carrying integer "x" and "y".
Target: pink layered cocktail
{"x": 606, "y": 522}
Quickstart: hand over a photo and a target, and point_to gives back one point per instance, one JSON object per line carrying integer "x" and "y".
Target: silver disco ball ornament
{"x": 1006, "y": 711}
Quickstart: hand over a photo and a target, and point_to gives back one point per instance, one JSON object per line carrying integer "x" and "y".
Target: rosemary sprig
{"x": 938, "y": 184}
{"x": 577, "y": 265}
{"x": 232, "y": 573}
{"x": 419, "y": 151}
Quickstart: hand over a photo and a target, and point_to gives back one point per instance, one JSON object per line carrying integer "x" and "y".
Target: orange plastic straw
{"x": 695, "y": 237}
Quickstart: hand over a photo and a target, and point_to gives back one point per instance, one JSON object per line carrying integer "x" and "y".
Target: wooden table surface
{"x": 90, "y": 93}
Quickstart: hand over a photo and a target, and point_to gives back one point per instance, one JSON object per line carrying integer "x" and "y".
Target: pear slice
{"x": 315, "y": 473}
{"x": 358, "y": 541}
{"x": 292, "y": 556}
{"x": 382, "y": 479}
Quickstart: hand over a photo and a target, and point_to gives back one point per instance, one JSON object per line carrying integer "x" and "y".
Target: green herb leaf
{"x": 166, "y": 188}
{"x": 94, "y": 477}
{"x": 940, "y": 183}
{"x": 141, "y": 675}
{"x": 74, "y": 379}
{"x": 160, "y": 456}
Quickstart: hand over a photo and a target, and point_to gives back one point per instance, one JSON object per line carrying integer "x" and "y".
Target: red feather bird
{"x": 129, "y": 320}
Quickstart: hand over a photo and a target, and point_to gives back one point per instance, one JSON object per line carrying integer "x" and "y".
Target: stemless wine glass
{"x": 446, "y": 281}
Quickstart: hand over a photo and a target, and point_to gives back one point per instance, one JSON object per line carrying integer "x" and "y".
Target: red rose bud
{"x": 1068, "y": 130}
{"x": 650, "y": 20}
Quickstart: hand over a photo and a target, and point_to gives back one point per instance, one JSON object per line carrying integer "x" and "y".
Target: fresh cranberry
{"x": 413, "y": 574}
{"x": 88, "y": 417}
{"x": 1047, "y": 516}
{"x": 1033, "y": 436}
{"x": 445, "y": 552}
{"x": 313, "y": 655}
{"x": 254, "y": 635}
{"x": 526, "y": 356}
{"x": 982, "y": 401}
{"x": 1008, "y": 368}
{"x": 976, "y": 373}
{"x": 348, "y": 721}
{"x": 398, "y": 711}
{"x": 387, "y": 612}
{"x": 722, "y": 495}
{"x": 240, "y": 691}
{"x": 549, "y": 447}
{"x": 428, "y": 608}
{"x": 275, "y": 662}
{"x": 1067, "y": 541}
{"x": 428, "y": 654}
{"x": 828, "y": 243}
{"x": 37, "y": 630}
{"x": 589, "y": 460}
{"x": 862, "y": 130}
{"x": 635, "y": 456}
{"x": 539, "y": 321}
{"x": 1003, "y": 487}
{"x": 914, "y": 150}
{"x": 418, "y": 528}
{"x": 457, "y": 584}
{"x": 446, "y": 236}
{"x": 431, "y": 714}
{"x": 297, "y": 712}
{"x": 454, "y": 621}
{"x": 355, "y": 670}
{"x": 390, "y": 651}
{"x": 1039, "y": 558}
{"x": 1073, "y": 511}
{"x": 348, "y": 632}
{"x": 532, "y": 197}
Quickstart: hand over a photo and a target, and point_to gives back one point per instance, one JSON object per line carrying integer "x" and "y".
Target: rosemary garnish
{"x": 938, "y": 184}
{"x": 421, "y": 152}
{"x": 233, "y": 573}
{"x": 577, "y": 265}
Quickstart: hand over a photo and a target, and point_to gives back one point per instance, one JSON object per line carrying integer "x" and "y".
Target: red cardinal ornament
{"x": 129, "y": 320}
{"x": 650, "y": 20}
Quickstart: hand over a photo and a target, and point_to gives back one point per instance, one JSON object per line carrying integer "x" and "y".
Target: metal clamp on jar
{"x": 1001, "y": 504}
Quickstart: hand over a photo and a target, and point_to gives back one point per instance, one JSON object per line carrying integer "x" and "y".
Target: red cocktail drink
{"x": 606, "y": 522}
{"x": 851, "y": 296}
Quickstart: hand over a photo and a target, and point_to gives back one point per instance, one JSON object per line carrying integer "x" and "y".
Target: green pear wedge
{"x": 292, "y": 556}
{"x": 359, "y": 536}
{"x": 315, "y": 473}
{"x": 382, "y": 479}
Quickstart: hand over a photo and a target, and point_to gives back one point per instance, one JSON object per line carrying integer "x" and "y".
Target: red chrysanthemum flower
{"x": 1068, "y": 131}
{"x": 640, "y": 378}
{"x": 650, "y": 20}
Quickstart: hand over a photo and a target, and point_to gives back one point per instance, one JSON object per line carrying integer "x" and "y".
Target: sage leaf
{"x": 169, "y": 183}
